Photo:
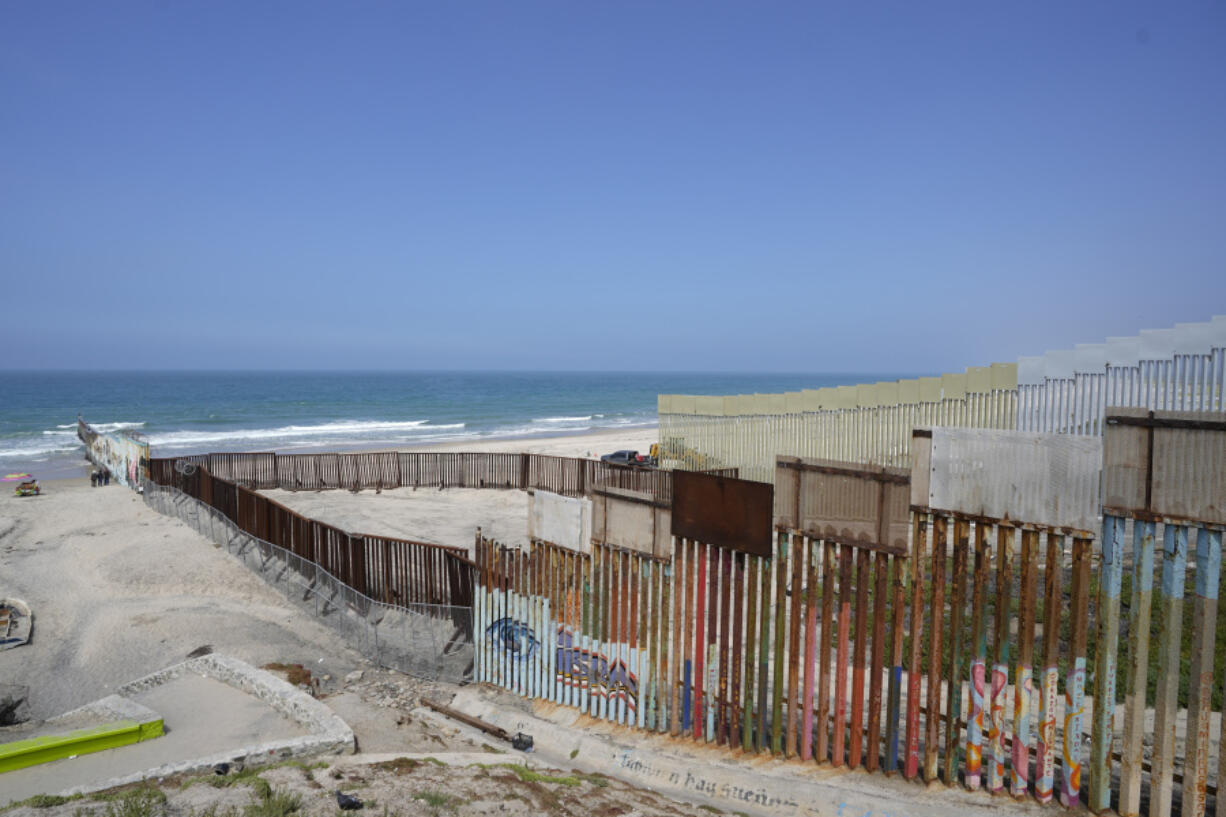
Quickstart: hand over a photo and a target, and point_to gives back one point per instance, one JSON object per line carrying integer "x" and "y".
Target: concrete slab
{"x": 214, "y": 709}
{"x": 731, "y": 782}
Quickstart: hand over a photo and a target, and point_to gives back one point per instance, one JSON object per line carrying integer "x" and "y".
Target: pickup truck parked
{"x": 626, "y": 457}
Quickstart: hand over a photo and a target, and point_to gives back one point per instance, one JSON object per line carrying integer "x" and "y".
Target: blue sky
{"x": 664, "y": 185}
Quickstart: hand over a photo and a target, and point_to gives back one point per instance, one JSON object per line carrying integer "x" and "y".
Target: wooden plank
{"x": 1107, "y": 647}
{"x": 859, "y": 659}
{"x": 1000, "y": 665}
{"x": 919, "y": 536}
{"x": 1045, "y": 759}
{"x": 840, "y": 661}
{"x": 1166, "y": 704}
{"x": 812, "y": 550}
{"x": 953, "y": 675}
{"x": 1075, "y": 680}
{"x": 1200, "y": 687}
{"x": 979, "y": 658}
{"x": 932, "y": 720}
{"x": 796, "y": 565}
{"x": 823, "y": 652}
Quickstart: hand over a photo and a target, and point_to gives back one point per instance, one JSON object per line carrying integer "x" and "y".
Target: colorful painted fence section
{"x": 953, "y": 623}
{"x": 125, "y": 454}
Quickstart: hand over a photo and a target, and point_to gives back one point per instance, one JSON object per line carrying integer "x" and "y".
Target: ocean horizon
{"x": 192, "y": 412}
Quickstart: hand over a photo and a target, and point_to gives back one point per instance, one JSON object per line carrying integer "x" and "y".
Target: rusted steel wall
{"x": 569, "y": 476}
{"x": 394, "y": 571}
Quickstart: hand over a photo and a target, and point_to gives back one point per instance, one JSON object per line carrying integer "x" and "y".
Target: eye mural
{"x": 514, "y": 637}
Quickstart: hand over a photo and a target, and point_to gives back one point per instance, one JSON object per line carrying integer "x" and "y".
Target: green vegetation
{"x": 435, "y": 799}
{"x": 272, "y": 803}
{"x": 145, "y": 801}
{"x": 42, "y": 801}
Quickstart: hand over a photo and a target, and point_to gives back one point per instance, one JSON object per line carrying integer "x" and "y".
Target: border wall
{"x": 125, "y": 454}
{"x": 1066, "y": 392}
{"x": 951, "y": 623}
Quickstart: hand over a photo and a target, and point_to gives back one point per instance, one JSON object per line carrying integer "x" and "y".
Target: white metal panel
{"x": 1123, "y": 351}
{"x": 1040, "y": 479}
{"x": 1157, "y": 344}
{"x": 560, "y": 520}
{"x": 1089, "y": 358}
{"x": 1060, "y": 363}
{"x": 1030, "y": 370}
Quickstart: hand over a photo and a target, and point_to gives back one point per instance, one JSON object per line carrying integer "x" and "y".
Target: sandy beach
{"x": 451, "y": 517}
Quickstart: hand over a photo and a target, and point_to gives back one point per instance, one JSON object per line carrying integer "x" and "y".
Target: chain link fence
{"x": 424, "y": 640}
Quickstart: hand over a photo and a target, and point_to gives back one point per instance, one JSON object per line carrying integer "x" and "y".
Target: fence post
{"x": 1166, "y": 705}
{"x": 1140, "y": 610}
{"x": 1075, "y": 681}
{"x": 1200, "y": 685}
{"x": 1110, "y": 579}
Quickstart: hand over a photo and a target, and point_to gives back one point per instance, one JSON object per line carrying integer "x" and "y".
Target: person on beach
{"x": 93, "y": 479}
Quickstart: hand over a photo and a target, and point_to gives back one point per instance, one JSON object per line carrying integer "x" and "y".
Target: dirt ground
{"x": 391, "y": 788}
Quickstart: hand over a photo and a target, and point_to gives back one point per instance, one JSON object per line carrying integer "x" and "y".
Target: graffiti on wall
{"x": 578, "y": 666}
{"x": 124, "y": 454}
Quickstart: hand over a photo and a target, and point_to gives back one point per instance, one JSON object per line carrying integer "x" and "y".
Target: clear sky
{"x": 909, "y": 187}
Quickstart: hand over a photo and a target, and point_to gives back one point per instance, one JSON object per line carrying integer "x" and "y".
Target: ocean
{"x": 198, "y": 412}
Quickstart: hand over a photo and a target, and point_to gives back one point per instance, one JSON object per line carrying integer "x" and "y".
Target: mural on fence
{"x": 603, "y": 674}
{"x": 125, "y": 454}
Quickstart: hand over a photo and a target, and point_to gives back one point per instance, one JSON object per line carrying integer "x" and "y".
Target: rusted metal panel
{"x": 899, "y": 567}
{"x": 1045, "y": 758}
{"x": 843, "y": 502}
{"x": 840, "y": 661}
{"x": 723, "y": 511}
{"x": 1075, "y": 680}
{"x": 855, "y": 739}
{"x": 751, "y": 656}
{"x": 1024, "y": 692}
{"x": 764, "y": 624}
{"x": 932, "y": 721}
{"x": 1041, "y": 479}
{"x": 880, "y": 605}
{"x": 738, "y": 644}
{"x": 957, "y": 609}
{"x": 1169, "y": 464}
{"x": 823, "y": 652}
{"x": 979, "y": 659}
{"x": 916, "y": 567}
{"x": 1000, "y": 663}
